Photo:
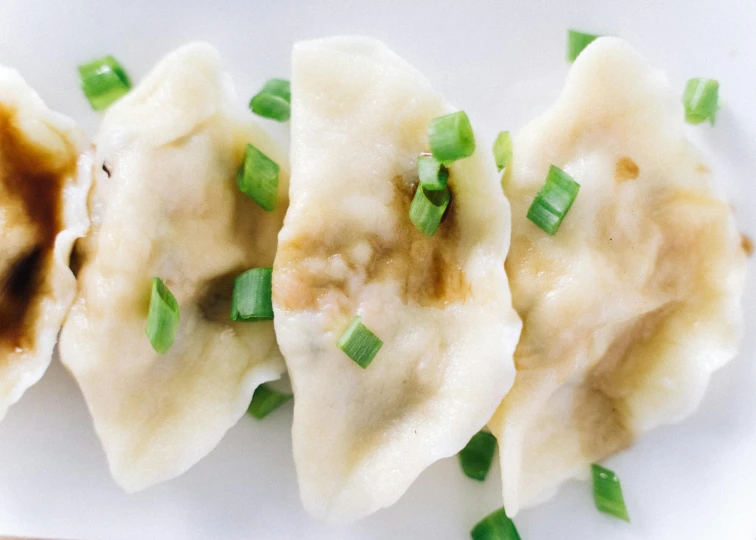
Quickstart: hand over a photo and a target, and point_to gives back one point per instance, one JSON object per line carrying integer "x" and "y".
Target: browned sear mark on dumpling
{"x": 747, "y": 244}
{"x": 428, "y": 270}
{"x": 31, "y": 181}
{"x": 626, "y": 169}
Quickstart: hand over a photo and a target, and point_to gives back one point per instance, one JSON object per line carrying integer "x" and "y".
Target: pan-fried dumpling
{"x": 635, "y": 301}
{"x": 165, "y": 204}
{"x": 42, "y": 212}
{"x": 440, "y": 305}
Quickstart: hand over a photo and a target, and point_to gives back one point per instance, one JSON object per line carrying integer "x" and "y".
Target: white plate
{"x": 503, "y": 63}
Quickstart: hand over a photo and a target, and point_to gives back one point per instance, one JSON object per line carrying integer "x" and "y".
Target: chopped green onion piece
{"x": 576, "y": 42}
{"x": 273, "y": 101}
{"x": 258, "y": 178}
{"x": 359, "y": 343}
{"x": 103, "y": 80}
{"x": 162, "y": 318}
{"x": 427, "y": 209}
{"x": 451, "y": 137}
{"x": 252, "y": 297}
{"x": 552, "y": 202}
{"x": 477, "y": 456}
{"x": 502, "y": 150}
{"x": 495, "y": 526}
{"x": 607, "y": 492}
{"x": 265, "y": 400}
{"x": 433, "y": 175}
{"x": 701, "y": 100}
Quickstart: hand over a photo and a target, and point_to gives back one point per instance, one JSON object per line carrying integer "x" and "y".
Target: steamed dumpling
{"x": 442, "y": 307}
{"x": 165, "y": 203}
{"x": 635, "y": 301}
{"x": 42, "y": 212}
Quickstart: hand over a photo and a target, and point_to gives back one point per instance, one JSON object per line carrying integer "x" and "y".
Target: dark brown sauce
{"x": 30, "y": 178}
{"x": 76, "y": 260}
{"x": 214, "y": 300}
{"x": 428, "y": 269}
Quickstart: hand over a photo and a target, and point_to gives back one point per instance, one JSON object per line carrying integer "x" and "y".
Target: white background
{"x": 503, "y": 62}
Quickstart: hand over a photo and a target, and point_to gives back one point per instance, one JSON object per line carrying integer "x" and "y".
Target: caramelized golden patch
{"x": 747, "y": 244}
{"x": 626, "y": 169}
{"x": 31, "y": 181}
{"x": 428, "y": 270}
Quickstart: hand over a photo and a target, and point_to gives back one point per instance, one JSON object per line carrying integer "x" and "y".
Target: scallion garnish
{"x": 552, "y": 202}
{"x": 576, "y": 42}
{"x": 265, "y": 400}
{"x": 162, "y": 318}
{"x": 477, "y": 456}
{"x": 252, "y": 296}
{"x": 103, "y": 80}
{"x": 495, "y": 526}
{"x": 451, "y": 137}
{"x": 273, "y": 101}
{"x": 427, "y": 209}
{"x": 359, "y": 343}
{"x": 502, "y": 150}
{"x": 607, "y": 492}
{"x": 701, "y": 99}
{"x": 258, "y": 178}
{"x": 433, "y": 175}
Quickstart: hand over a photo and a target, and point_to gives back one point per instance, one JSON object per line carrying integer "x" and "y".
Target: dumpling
{"x": 441, "y": 305}
{"x": 42, "y": 212}
{"x": 165, "y": 204}
{"x": 635, "y": 301}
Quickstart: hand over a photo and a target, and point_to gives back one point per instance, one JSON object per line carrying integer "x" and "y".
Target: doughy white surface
{"x": 170, "y": 207}
{"x": 635, "y": 301}
{"x": 441, "y": 306}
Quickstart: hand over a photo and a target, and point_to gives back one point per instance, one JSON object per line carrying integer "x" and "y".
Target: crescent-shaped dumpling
{"x": 635, "y": 301}
{"x": 165, "y": 204}
{"x": 42, "y": 213}
{"x": 441, "y": 305}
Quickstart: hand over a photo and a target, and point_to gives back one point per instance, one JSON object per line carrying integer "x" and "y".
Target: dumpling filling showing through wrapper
{"x": 44, "y": 181}
{"x": 165, "y": 204}
{"x": 441, "y": 305}
{"x": 632, "y": 305}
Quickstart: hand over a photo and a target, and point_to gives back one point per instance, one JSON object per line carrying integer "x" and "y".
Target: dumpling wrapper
{"x": 442, "y": 307}
{"x": 635, "y": 301}
{"x": 165, "y": 203}
{"x": 42, "y": 213}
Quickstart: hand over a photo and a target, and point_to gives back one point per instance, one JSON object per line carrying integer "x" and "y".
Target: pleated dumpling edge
{"x": 441, "y": 305}
{"x": 165, "y": 204}
{"x": 632, "y": 305}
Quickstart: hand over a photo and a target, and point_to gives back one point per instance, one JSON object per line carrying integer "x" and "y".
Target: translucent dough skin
{"x": 635, "y": 301}
{"x": 441, "y": 305}
{"x": 44, "y": 181}
{"x": 165, "y": 204}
